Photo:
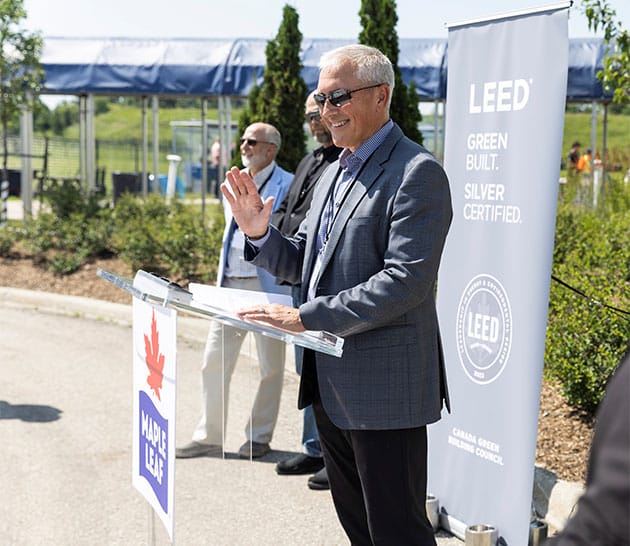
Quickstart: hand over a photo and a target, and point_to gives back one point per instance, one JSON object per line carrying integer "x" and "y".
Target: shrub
{"x": 191, "y": 251}
{"x": 66, "y": 199}
{"x": 136, "y": 229}
{"x": 65, "y": 262}
{"x": 97, "y": 233}
{"x": 40, "y": 234}
{"x": 585, "y": 338}
{"x": 65, "y": 243}
{"x": 167, "y": 239}
{"x": 6, "y": 241}
{"x": 76, "y": 229}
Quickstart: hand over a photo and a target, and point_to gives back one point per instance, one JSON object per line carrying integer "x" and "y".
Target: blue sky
{"x": 261, "y": 18}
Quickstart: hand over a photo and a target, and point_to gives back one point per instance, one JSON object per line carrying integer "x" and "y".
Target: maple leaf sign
{"x": 154, "y": 360}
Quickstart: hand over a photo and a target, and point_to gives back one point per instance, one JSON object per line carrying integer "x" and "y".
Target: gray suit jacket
{"x": 376, "y": 288}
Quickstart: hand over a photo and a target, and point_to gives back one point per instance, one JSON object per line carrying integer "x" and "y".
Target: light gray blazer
{"x": 376, "y": 288}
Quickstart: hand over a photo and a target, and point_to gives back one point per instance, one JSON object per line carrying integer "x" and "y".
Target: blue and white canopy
{"x": 224, "y": 67}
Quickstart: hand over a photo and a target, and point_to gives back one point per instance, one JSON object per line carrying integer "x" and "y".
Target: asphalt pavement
{"x": 65, "y": 419}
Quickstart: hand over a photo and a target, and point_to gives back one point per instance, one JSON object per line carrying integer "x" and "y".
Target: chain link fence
{"x": 58, "y": 157}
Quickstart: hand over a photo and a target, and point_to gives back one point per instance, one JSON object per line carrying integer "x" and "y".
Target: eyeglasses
{"x": 312, "y": 116}
{"x": 252, "y": 142}
{"x": 339, "y": 97}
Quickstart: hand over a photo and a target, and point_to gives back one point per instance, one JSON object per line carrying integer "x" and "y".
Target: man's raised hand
{"x": 250, "y": 212}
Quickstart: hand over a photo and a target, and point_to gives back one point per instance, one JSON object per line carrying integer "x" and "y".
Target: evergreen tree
{"x": 249, "y": 115}
{"x": 281, "y": 98}
{"x": 378, "y": 19}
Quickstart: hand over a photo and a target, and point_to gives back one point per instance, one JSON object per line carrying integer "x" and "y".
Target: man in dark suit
{"x": 287, "y": 219}
{"x": 603, "y": 512}
{"x": 367, "y": 257}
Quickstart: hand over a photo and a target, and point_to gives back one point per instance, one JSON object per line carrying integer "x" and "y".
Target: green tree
{"x": 65, "y": 115}
{"x": 378, "y": 19}
{"x": 281, "y": 98}
{"x": 248, "y": 116}
{"x": 616, "y": 73}
{"x": 21, "y": 73}
{"x": 42, "y": 117}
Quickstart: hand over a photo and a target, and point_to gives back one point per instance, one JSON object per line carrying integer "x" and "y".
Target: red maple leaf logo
{"x": 154, "y": 360}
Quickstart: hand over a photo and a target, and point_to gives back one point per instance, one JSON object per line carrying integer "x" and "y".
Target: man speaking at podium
{"x": 367, "y": 257}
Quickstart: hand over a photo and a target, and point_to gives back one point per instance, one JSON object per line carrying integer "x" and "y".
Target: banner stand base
{"x": 481, "y": 535}
{"x": 453, "y": 525}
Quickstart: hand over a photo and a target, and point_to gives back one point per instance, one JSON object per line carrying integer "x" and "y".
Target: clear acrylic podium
{"x": 158, "y": 290}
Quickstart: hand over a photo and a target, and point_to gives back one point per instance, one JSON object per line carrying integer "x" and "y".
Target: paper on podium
{"x": 230, "y": 300}
{"x": 221, "y": 304}
{"x": 233, "y": 299}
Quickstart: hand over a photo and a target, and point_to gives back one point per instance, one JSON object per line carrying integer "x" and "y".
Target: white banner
{"x": 154, "y": 389}
{"x": 504, "y": 123}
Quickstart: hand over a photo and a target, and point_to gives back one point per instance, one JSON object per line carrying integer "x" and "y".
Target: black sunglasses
{"x": 312, "y": 116}
{"x": 252, "y": 141}
{"x": 339, "y": 97}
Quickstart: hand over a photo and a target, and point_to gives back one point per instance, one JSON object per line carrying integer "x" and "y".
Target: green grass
{"x": 577, "y": 126}
{"x": 119, "y": 136}
{"x": 125, "y": 122}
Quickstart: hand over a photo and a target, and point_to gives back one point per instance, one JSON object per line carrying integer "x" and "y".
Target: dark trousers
{"x": 378, "y": 482}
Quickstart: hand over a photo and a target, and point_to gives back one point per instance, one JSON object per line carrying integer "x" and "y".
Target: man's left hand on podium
{"x": 275, "y": 314}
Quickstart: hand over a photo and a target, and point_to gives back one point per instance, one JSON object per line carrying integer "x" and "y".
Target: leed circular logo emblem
{"x": 484, "y": 329}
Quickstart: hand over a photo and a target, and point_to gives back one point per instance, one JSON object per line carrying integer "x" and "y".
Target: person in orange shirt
{"x": 584, "y": 164}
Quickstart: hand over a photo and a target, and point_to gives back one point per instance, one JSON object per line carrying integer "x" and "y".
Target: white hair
{"x": 371, "y": 66}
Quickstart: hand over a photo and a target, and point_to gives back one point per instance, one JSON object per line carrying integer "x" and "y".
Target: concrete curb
{"x": 66, "y": 305}
{"x": 553, "y": 499}
{"x": 189, "y": 328}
